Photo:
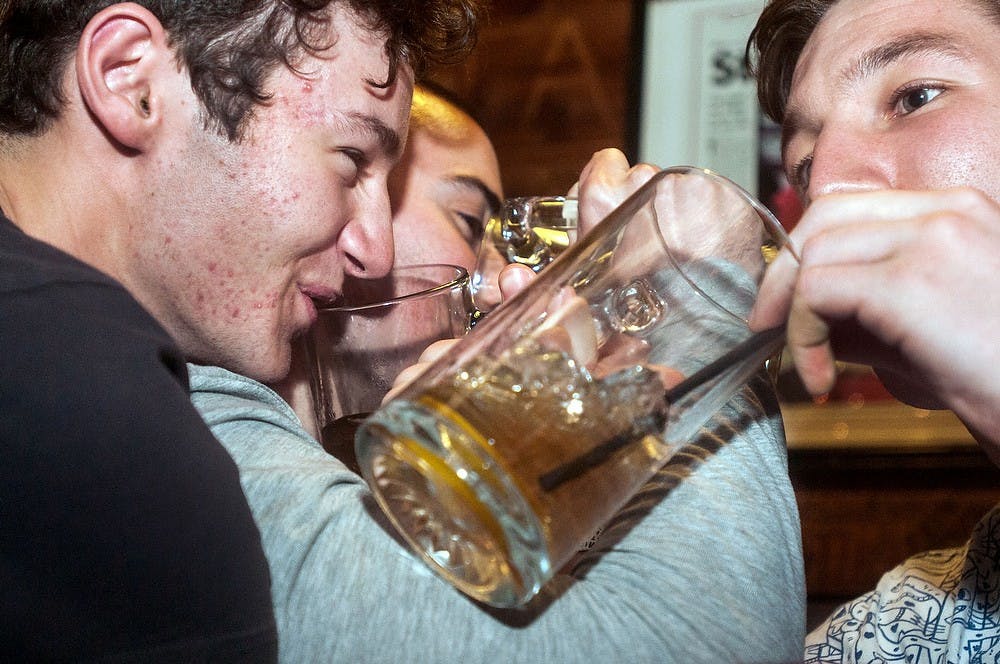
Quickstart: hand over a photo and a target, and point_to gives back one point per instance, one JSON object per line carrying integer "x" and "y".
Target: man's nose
{"x": 367, "y": 240}
{"x": 849, "y": 161}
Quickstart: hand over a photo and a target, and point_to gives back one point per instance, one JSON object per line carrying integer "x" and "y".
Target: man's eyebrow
{"x": 388, "y": 139}
{"x": 492, "y": 197}
{"x": 880, "y": 57}
{"x": 873, "y": 60}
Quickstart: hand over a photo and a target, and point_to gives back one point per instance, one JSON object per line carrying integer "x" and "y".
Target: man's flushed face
{"x": 896, "y": 94}
{"x": 247, "y": 234}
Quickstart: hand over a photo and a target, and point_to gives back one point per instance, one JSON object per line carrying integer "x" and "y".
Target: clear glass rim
{"x": 459, "y": 280}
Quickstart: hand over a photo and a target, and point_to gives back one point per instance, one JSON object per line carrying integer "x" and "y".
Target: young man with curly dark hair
{"x": 178, "y": 181}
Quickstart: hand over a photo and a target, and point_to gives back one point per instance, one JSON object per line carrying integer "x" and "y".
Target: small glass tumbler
{"x": 529, "y": 230}
{"x": 357, "y": 348}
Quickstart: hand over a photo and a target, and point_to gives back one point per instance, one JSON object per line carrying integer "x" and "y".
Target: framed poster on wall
{"x": 696, "y": 103}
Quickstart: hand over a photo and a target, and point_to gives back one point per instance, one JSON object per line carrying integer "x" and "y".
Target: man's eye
{"x": 358, "y": 158}
{"x": 470, "y": 226}
{"x": 353, "y": 161}
{"x": 907, "y": 101}
{"x": 799, "y": 175}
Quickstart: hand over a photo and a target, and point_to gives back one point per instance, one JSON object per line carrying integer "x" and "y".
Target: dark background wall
{"x": 550, "y": 83}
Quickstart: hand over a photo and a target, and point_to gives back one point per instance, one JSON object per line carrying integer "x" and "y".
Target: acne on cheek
{"x": 251, "y": 303}
{"x": 214, "y": 268}
{"x": 282, "y": 206}
{"x": 269, "y": 301}
{"x": 215, "y": 292}
{"x": 252, "y": 300}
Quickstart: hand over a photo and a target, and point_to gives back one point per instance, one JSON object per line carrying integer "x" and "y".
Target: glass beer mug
{"x": 529, "y": 230}
{"x": 505, "y": 456}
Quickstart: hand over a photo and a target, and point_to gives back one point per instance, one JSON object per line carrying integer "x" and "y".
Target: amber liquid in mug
{"x": 574, "y": 446}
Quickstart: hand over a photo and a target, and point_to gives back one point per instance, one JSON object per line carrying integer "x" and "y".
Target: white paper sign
{"x": 698, "y": 107}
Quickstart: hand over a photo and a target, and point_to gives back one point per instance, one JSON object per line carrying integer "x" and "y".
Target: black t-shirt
{"x": 124, "y": 533}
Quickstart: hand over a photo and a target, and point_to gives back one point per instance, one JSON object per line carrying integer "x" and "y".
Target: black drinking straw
{"x": 597, "y": 455}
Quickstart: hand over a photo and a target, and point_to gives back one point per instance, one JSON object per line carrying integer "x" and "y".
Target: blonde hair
{"x": 439, "y": 117}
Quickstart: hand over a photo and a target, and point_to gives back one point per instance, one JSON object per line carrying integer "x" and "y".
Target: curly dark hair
{"x": 227, "y": 46}
{"x": 781, "y": 33}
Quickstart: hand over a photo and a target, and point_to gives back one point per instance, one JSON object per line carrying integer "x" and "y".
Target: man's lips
{"x": 317, "y": 297}
{"x": 322, "y": 296}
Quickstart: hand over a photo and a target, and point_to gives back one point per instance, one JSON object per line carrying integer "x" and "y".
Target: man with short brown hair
{"x": 892, "y": 139}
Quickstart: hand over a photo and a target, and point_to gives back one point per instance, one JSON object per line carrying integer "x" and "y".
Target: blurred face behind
{"x": 443, "y": 188}
{"x": 246, "y": 234}
{"x": 896, "y": 94}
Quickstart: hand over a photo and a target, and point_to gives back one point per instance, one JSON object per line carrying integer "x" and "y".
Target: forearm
{"x": 705, "y": 565}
